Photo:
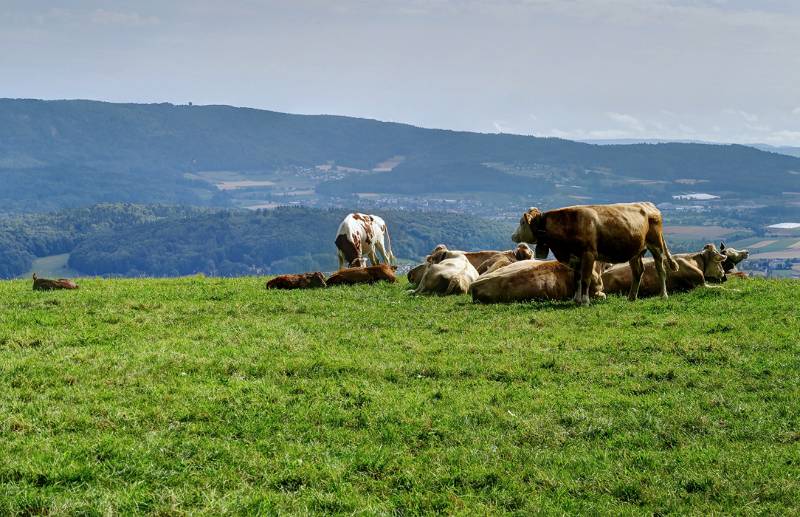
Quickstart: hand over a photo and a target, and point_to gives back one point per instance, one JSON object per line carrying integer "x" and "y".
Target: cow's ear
{"x": 531, "y": 215}
{"x": 721, "y": 245}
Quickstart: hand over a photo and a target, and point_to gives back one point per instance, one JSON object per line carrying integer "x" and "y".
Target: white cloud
{"x": 131, "y": 19}
{"x": 749, "y": 117}
{"x": 630, "y": 121}
{"x": 796, "y": 111}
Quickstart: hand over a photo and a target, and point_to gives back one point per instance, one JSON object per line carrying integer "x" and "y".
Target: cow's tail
{"x": 390, "y": 255}
{"x": 673, "y": 264}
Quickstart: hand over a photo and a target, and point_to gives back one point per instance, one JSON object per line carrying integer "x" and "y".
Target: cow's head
{"x": 732, "y": 256}
{"x": 415, "y": 275}
{"x": 436, "y": 252}
{"x": 713, "y": 260}
{"x": 359, "y": 262}
{"x": 523, "y": 252}
{"x": 529, "y": 226}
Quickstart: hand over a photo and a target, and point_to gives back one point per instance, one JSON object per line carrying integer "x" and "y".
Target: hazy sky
{"x": 721, "y": 70}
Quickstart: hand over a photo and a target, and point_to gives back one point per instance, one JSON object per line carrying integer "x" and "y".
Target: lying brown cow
{"x": 502, "y": 259}
{"x": 581, "y": 235}
{"x": 46, "y": 284}
{"x": 302, "y": 281}
{"x": 446, "y": 272}
{"x": 694, "y": 270}
{"x": 732, "y": 257}
{"x": 363, "y": 275}
{"x": 531, "y": 280}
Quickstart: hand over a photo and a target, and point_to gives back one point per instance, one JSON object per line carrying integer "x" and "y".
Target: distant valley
{"x": 183, "y": 166}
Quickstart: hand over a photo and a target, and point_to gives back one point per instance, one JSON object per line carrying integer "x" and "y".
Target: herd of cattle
{"x": 598, "y": 249}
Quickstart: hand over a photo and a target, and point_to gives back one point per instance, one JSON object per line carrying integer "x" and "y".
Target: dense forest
{"x": 56, "y": 154}
{"x": 135, "y": 240}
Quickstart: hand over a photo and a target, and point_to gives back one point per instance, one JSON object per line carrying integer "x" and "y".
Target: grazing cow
{"x": 46, "y": 284}
{"x": 732, "y": 257}
{"x": 361, "y": 235}
{"x": 302, "y": 281}
{"x": 502, "y": 259}
{"x": 531, "y": 280}
{"x": 581, "y": 235}
{"x": 694, "y": 270}
{"x": 446, "y": 272}
{"x": 363, "y": 275}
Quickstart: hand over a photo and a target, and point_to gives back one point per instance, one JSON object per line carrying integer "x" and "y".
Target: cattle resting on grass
{"x": 732, "y": 257}
{"x": 522, "y": 252}
{"x": 301, "y": 281}
{"x": 694, "y": 270}
{"x": 363, "y": 275}
{"x": 531, "y": 280}
{"x": 46, "y": 284}
{"x": 580, "y": 235}
{"x": 359, "y": 237}
{"x": 446, "y": 272}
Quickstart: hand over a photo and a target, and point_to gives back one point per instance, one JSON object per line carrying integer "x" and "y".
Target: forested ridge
{"x": 138, "y": 240}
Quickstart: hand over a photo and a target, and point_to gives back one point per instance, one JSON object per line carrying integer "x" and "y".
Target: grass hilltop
{"x": 210, "y": 396}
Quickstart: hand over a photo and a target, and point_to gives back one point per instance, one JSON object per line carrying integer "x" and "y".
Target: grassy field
{"x": 214, "y": 396}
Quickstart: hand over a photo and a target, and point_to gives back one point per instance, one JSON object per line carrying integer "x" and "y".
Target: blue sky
{"x": 585, "y": 69}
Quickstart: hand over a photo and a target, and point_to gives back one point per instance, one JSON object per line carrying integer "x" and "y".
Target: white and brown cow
{"x": 360, "y": 236}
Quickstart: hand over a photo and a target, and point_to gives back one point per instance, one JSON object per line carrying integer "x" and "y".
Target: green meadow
{"x": 209, "y": 396}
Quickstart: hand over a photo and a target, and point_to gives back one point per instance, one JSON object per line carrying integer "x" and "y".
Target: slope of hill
{"x": 68, "y": 153}
{"x": 216, "y": 397}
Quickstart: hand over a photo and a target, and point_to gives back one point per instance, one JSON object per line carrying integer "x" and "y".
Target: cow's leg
{"x": 585, "y": 282}
{"x": 575, "y": 265}
{"x": 372, "y": 257}
{"x": 659, "y": 259}
{"x": 382, "y": 251}
{"x": 637, "y": 269}
{"x": 340, "y": 256}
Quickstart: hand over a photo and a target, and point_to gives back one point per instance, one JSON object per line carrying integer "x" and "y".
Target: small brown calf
{"x": 363, "y": 275}
{"x": 302, "y": 281}
{"x": 46, "y": 284}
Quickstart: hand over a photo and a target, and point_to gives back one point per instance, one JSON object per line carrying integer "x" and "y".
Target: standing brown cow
{"x": 580, "y": 235}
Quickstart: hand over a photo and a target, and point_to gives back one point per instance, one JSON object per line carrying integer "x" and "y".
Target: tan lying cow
{"x": 476, "y": 258}
{"x": 446, "y": 272}
{"x": 363, "y": 275}
{"x": 502, "y": 259}
{"x": 531, "y": 280}
{"x": 694, "y": 269}
{"x": 301, "y": 281}
{"x": 580, "y": 235}
{"x": 46, "y": 284}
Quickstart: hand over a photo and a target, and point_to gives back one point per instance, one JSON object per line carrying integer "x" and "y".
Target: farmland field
{"x": 215, "y": 396}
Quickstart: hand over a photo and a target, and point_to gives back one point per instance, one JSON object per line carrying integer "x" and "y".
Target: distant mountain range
{"x": 56, "y": 154}
{"x": 780, "y": 149}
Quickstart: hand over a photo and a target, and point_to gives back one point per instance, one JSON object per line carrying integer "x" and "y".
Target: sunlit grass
{"x": 212, "y": 396}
